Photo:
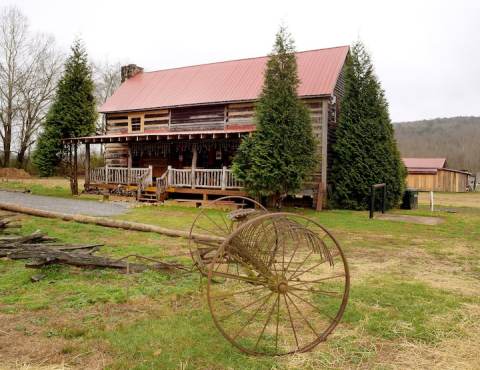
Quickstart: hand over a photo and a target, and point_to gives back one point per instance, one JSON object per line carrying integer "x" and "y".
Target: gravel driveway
{"x": 70, "y": 206}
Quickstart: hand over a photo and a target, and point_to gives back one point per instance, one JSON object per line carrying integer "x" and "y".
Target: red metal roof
{"x": 424, "y": 163}
{"x": 236, "y": 80}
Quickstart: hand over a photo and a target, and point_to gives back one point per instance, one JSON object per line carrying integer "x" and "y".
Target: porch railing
{"x": 221, "y": 178}
{"x": 121, "y": 175}
{"x": 203, "y": 178}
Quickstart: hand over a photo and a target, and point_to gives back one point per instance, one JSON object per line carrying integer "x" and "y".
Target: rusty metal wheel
{"x": 219, "y": 220}
{"x": 278, "y": 285}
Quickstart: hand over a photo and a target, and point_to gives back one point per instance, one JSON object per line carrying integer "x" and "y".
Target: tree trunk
{"x": 7, "y": 148}
{"x": 21, "y": 157}
{"x": 107, "y": 222}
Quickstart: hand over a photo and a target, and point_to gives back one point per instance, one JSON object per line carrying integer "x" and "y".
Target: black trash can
{"x": 410, "y": 199}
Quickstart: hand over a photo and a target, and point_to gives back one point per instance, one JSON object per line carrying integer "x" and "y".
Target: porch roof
{"x": 168, "y": 135}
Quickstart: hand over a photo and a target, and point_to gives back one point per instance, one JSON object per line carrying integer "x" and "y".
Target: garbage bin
{"x": 410, "y": 199}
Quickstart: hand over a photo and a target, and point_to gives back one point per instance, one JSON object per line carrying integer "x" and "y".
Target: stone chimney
{"x": 129, "y": 71}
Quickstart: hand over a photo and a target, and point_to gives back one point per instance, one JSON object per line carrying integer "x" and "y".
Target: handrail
{"x": 121, "y": 175}
{"x": 161, "y": 183}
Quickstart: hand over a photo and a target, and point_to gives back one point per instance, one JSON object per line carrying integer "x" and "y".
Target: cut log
{"x": 107, "y": 222}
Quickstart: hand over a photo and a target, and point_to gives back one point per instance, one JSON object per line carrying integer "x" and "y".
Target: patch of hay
{"x": 459, "y": 352}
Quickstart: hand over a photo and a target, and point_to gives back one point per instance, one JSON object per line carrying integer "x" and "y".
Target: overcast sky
{"x": 426, "y": 53}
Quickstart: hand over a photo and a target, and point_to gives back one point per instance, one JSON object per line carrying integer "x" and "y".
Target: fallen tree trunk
{"x": 107, "y": 222}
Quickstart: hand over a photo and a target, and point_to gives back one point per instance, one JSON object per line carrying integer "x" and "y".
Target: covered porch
{"x": 152, "y": 166}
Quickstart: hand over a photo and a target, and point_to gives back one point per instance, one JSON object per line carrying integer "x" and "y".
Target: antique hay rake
{"x": 277, "y": 283}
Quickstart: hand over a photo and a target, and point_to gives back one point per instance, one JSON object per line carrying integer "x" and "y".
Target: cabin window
{"x": 135, "y": 124}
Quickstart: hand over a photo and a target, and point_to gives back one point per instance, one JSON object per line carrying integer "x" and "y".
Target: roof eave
{"x": 105, "y": 111}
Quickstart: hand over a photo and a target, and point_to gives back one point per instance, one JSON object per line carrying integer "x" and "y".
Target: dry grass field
{"x": 452, "y": 199}
{"x": 414, "y": 300}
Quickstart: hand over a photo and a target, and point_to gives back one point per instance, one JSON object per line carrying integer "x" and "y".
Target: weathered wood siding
{"x": 117, "y": 123}
{"x": 236, "y": 115}
{"x": 240, "y": 114}
{"x": 211, "y": 117}
{"x": 229, "y": 116}
{"x": 444, "y": 180}
{"x": 116, "y": 154}
{"x": 333, "y": 114}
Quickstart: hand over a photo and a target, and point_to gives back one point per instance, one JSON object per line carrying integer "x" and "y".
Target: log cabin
{"x": 432, "y": 174}
{"x": 176, "y": 131}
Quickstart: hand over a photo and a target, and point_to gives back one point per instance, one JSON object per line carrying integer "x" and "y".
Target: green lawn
{"x": 414, "y": 300}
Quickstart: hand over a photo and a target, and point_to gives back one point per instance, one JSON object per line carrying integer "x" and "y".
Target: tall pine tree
{"x": 281, "y": 153}
{"x": 72, "y": 113}
{"x": 365, "y": 152}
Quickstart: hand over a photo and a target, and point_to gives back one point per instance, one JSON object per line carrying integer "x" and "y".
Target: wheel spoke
{"x": 266, "y": 322}
{"x": 217, "y": 225}
{"x": 221, "y": 296}
{"x": 245, "y": 306}
{"x": 228, "y": 228}
{"x": 291, "y": 322}
{"x": 235, "y": 277}
{"x": 300, "y": 265}
{"x": 307, "y": 270}
{"x": 252, "y": 316}
{"x": 209, "y": 231}
{"x": 247, "y": 267}
{"x": 311, "y": 305}
{"x": 324, "y": 292}
{"x": 303, "y": 282}
{"x": 303, "y": 317}
{"x": 278, "y": 320}
{"x": 293, "y": 254}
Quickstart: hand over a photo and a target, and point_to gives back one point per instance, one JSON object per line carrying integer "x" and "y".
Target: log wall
{"x": 116, "y": 154}
{"x": 230, "y": 116}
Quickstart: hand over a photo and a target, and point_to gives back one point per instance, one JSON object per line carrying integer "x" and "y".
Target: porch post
{"x": 150, "y": 175}
{"x": 75, "y": 169}
{"x": 87, "y": 166}
{"x": 224, "y": 177}
{"x": 129, "y": 166}
{"x": 106, "y": 174}
{"x": 169, "y": 176}
{"x": 194, "y": 165}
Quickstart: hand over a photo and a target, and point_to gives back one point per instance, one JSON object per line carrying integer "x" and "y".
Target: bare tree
{"x": 13, "y": 45}
{"x": 107, "y": 79}
{"x": 36, "y": 90}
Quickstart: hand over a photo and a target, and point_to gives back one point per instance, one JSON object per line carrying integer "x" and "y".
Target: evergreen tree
{"x": 281, "y": 153}
{"x": 72, "y": 113}
{"x": 365, "y": 152}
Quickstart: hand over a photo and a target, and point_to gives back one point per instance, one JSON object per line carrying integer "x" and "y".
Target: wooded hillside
{"x": 456, "y": 138}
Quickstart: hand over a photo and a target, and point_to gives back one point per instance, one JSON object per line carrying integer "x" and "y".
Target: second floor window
{"x": 135, "y": 124}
